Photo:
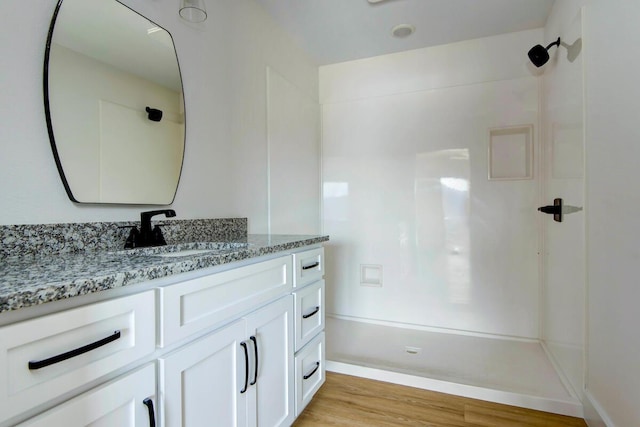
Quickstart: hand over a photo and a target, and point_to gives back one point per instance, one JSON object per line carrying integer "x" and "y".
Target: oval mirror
{"x": 114, "y": 104}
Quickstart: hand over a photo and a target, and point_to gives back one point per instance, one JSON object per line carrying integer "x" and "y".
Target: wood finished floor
{"x": 352, "y": 401}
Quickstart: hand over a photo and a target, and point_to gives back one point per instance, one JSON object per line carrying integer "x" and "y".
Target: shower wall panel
{"x": 406, "y": 188}
{"x": 564, "y": 243}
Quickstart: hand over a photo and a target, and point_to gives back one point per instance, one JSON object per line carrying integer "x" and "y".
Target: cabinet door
{"x": 122, "y": 402}
{"x": 201, "y": 382}
{"x": 271, "y": 331}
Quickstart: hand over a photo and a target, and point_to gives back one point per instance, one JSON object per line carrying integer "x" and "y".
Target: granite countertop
{"x": 32, "y": 280}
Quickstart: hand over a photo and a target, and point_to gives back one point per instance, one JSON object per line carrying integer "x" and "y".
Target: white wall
{"x": 612, "y": 37}
{"x": 256, "y": 45}
{"x": 405, "y": 176}
{"x": 223, "y": 63}
{"x": 293, "y": 137}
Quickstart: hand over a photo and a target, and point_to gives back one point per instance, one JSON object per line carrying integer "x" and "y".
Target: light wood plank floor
{"x": 351, "y": 401}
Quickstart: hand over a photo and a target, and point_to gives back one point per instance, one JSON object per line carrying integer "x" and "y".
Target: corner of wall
{"x": 594, "y": 414}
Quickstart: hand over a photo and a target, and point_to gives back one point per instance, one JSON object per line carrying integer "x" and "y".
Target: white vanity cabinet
{"x": 240, "y": 375}
{"x": 237, "y": 347}
{"x": 309, "y": 325}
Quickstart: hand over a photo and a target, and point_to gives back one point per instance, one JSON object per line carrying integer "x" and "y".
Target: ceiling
{"x": 342, "y": 30}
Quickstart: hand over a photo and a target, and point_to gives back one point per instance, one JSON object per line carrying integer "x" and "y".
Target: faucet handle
{"x": 158, "y": 238}
{"x": 133, "y": 239}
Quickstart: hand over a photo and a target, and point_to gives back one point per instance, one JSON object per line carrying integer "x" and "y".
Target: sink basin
{"x": 186, "y": 249}
{"x": 186, "y": 252}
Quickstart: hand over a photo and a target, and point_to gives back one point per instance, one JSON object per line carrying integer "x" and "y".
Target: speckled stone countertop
{"x": 32, "y": 279}
{"x": 43, "y": 263}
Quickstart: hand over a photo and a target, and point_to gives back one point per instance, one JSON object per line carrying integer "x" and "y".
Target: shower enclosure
{"x": 441, "y": 273}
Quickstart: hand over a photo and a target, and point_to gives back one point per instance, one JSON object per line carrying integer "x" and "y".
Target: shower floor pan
{"x": 513, "y": 372}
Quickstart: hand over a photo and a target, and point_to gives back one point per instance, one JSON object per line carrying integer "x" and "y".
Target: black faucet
{"x": 147, "y": 236}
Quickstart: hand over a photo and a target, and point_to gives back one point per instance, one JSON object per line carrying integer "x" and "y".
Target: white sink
{"x": 185, "y": 252}
{"x": 186, "y": 249}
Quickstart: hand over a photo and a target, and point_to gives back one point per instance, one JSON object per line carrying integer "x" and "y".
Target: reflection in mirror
{"x": 114, "y": 104}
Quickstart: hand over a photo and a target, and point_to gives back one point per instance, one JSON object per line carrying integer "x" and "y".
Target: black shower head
{"x": 539, "y": 55}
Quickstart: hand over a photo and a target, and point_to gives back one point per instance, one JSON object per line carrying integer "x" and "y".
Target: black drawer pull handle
{"x": 38, "y": 364}
{"x": 313, "y": 313}
{"x": 255, "y": 348}
{"x": 152, "y": 416}
{"x": 246, "y": 367}
{"x": 310, "y": 374}
{"x": 310, "y": 266}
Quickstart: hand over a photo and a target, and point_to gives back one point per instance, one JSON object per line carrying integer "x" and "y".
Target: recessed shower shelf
{"x": 511, "y": 153}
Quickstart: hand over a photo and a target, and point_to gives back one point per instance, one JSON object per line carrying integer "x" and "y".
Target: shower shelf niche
{"x": 511, "y": 153}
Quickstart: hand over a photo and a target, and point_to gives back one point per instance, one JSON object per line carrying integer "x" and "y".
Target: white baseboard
{"x": 570, "y": 407}
{"x": 594, "y": 414}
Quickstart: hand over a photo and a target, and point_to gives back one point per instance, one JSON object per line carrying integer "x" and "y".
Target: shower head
{"x": 539, "y": 55}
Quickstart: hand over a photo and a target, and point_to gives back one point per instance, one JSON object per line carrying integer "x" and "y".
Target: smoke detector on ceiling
{"x": 403, "y": 30}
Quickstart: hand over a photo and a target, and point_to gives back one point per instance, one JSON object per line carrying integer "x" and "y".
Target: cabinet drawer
{"x": 51, "y": 355}
{"x": 309, "y": 313}
{"x": 309, "y": 266}
{"x": 310, "y": 372}
{"x": 195, "y": 305}
{"x": 117, "y": 403}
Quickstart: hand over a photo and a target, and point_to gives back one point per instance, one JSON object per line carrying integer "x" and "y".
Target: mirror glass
{"x": 114, "y": 104}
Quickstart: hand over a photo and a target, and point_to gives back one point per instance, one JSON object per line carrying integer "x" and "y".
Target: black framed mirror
{"x": 114, "y": 104}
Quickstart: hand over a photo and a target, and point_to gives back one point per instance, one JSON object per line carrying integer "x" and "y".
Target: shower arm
{"x": 555, "y": 43}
